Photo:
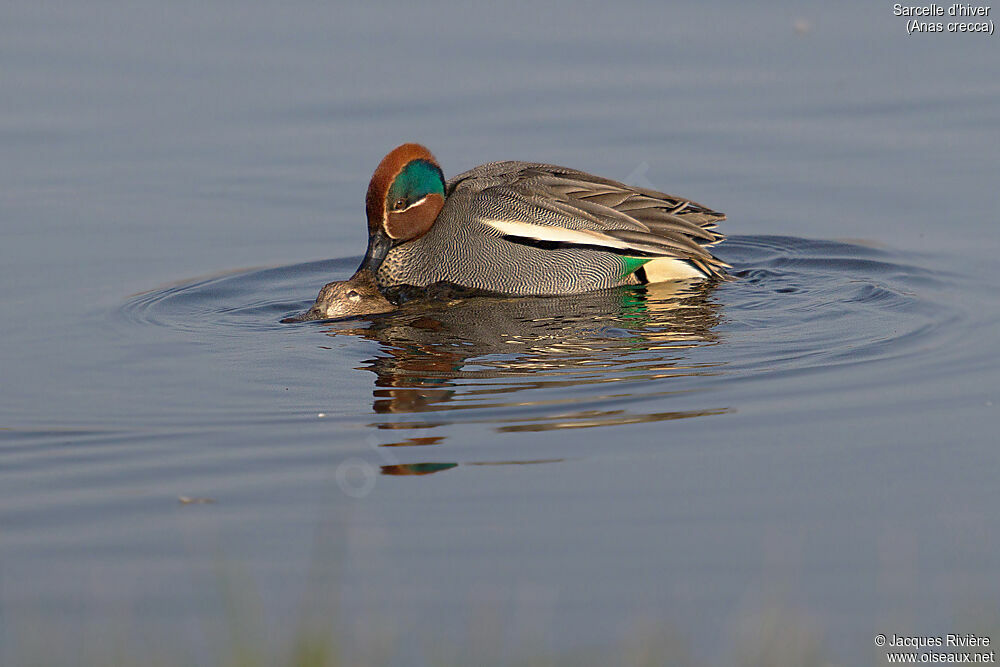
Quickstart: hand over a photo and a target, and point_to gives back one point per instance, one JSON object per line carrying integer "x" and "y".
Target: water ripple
{"x": 601, "y": 359}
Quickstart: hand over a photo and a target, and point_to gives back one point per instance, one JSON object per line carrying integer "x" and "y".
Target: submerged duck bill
{"x": 310, "y": 315}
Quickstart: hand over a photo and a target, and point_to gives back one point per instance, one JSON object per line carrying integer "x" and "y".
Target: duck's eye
{"x": 399, "y": 204}
{"x": 353, "y": 296}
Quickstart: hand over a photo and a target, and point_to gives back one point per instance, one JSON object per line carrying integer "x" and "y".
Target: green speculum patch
{"x": 633, "y": 264}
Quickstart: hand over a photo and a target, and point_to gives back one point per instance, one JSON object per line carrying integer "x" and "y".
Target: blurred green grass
{"x": 773, "y": 638}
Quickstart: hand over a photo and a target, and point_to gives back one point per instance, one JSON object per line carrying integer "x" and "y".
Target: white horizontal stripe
{"x": 556, "y": 234}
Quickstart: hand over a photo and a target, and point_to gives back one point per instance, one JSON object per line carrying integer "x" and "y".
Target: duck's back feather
{"x": 545, "y": 204}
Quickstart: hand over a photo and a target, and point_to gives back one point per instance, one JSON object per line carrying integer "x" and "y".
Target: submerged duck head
{"x": 405, "y": 195}
{"x": 356, "y": 296}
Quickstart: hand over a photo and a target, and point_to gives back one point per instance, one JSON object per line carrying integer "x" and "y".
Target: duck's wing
{"x": 547, "y": 205}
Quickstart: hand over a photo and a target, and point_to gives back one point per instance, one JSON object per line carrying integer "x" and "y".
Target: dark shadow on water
{"x": 453, "y": 365}
{"x": 520, "y": 363}
{"x": 411, "y": 469}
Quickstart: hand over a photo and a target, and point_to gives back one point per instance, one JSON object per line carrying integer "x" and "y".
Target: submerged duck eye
{"x": 353, "y": 296}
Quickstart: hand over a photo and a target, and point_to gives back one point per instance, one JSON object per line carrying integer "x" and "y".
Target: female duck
{"x": 525, "y": 228}
{"x": 343, "y": 299}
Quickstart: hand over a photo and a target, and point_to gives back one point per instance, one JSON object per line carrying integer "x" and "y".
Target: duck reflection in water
{"x": 514, "y": 361}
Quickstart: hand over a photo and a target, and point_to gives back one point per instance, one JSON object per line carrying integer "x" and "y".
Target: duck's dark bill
{"x": 308, "y": 316}
{"x": 379, "y": 246}
{"x": 314, "y": 315}
{"x": 311, "y": 316}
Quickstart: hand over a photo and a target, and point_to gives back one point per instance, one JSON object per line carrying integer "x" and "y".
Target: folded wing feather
{"x": 568, "y": 207}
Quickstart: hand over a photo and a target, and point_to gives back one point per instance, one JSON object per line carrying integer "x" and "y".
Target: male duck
{"x": 525, "y": 228}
